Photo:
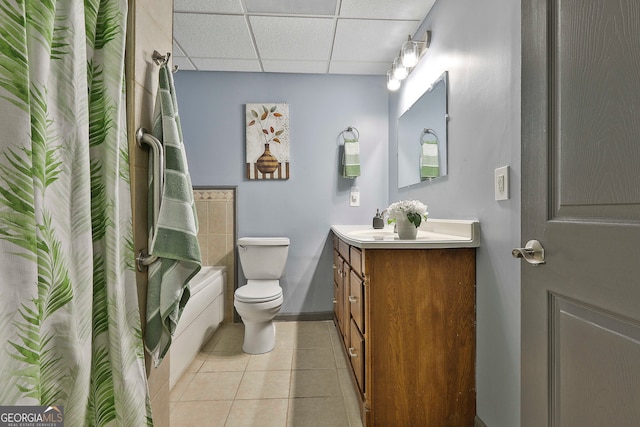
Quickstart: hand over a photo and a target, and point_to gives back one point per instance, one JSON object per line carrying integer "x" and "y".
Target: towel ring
{"x": 428, "y": 131}
{"x": 352, "y": 130}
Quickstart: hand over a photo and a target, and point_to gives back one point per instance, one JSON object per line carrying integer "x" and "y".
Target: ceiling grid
{"x": 293, "y": 36}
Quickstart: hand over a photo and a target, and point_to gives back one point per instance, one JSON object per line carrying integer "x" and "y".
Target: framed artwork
{"x": 267, "y": 136}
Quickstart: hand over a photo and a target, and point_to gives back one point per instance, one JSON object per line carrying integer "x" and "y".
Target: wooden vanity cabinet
{"x": 408, "y": 322}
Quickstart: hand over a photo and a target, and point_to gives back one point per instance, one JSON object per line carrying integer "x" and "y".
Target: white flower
{"x": 414, "y": 210}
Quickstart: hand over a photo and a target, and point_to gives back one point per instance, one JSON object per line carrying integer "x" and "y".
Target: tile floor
{"x": 304, "y": 381}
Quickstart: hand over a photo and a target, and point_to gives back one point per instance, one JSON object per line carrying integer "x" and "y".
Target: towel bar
{"x": 144, "y": 138}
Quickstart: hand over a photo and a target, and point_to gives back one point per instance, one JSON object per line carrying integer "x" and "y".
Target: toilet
{"x": 259, "y": 301}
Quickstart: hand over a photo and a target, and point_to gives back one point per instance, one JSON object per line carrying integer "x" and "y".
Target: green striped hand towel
{"x": 429, "y": 162}
{"x": 351, "y": 158}
{"x": 175, "y": 238}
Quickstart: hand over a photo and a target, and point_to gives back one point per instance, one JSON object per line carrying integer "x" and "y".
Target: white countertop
{"x": 433, "y": 233}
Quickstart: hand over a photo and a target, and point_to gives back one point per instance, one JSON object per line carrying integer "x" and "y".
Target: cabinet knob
{"x": 335, "y": 301}
{"x": 352, "y": 352}
{"x": 353, "y": 299}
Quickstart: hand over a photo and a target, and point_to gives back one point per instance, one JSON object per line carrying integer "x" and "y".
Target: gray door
{"x": 581, "y": 200}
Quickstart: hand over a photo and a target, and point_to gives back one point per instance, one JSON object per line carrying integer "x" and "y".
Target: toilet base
{"x": 259, "y": 337}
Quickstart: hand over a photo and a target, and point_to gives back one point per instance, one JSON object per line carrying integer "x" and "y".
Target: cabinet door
{"x": 356, "y": 354}
{"x": 338, "y": 292}
{"x": 346, "y": 276}
{"x": 355, "y": 299}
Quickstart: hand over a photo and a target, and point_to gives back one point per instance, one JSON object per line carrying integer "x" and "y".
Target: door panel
{"x": 581, "y": 200}
{"x": 591, "y": 349}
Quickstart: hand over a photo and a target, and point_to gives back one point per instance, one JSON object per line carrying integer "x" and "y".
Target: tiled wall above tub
{"x": 216, "y": 208}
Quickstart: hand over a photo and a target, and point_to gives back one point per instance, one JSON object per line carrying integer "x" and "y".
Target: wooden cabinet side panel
{"x": 421, "y": 336}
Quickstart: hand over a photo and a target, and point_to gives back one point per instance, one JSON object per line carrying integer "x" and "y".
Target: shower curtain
{"x": 68, "y": 300}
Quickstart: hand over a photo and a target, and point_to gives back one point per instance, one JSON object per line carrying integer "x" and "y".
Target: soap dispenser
{"x": 378, "y": 222}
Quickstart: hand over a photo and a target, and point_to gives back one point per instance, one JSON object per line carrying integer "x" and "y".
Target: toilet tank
{"x": 263, "y": 257}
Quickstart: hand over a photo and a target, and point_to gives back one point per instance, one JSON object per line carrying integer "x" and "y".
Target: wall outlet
{"x": 354, "y": 197}
{"x": 501, "y": 183}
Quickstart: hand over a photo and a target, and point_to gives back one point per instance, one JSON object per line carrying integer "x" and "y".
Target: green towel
{"x": 429, "y": 162}
{"x": 351, "y": 158}
{"x": 175, "y": 238}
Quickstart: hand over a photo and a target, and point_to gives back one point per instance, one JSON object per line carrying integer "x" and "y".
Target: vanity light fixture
{"x": 409, "y": 56}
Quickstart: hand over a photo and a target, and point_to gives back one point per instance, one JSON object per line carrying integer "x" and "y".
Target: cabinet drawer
{"x": 337, "y": 268}
{"x": 343, "y": 248}
{"x": 356, "y": 302}
{"x": 355, "y": 259}
{"x": 356, "y": 355}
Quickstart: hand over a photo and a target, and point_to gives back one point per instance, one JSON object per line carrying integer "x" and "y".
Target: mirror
{"x": 422, "y": 137}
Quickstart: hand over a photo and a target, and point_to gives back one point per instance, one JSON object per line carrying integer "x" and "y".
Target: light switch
{"x": 501, "y": 183}
{"x": 354, "y": 197}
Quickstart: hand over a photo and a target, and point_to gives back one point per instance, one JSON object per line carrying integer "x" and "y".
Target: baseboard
{"x": 318, "y": 315}
{"x": 478, "y": 422}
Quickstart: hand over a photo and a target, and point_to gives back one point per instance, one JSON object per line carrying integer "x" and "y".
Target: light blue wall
{"x": 304, "y": 207}
{"x": 479, "y": 44}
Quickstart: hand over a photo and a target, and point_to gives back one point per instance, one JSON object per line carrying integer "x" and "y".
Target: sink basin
{"x": 375, "y": 234}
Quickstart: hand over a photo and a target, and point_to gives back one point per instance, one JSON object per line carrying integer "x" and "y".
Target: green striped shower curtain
{"x": 70, "y": 324}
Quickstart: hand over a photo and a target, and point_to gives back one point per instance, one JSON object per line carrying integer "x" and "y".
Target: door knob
{"x": 533, "y": 253}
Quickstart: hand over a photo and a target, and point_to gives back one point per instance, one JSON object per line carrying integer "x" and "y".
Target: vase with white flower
{"x": 407, "y": 215}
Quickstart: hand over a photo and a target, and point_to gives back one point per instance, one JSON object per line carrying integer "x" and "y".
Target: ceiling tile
{"x": 292, "y": 7}
{"x": 370, "y": 40}
{"x": 385, "y": 9}
{"x": 315, "y": 67}
{"x": 215, "y": 36}
{"x": 293, "y": 38}
{"x": 210, "y": 64}
{"x": 359, "y": 67}
{"x": 217, "y": 6}
{"x": 182, "y": 63}
{"x": 177, "y": 50}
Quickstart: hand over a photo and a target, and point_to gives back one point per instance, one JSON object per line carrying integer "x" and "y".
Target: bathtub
{"x": 200, "y": 318}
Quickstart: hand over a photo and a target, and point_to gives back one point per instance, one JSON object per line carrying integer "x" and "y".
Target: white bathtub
{"x": 201, "y": 317}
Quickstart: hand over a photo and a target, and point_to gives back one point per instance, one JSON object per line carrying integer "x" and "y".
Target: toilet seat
{"x": 259, "y": 291}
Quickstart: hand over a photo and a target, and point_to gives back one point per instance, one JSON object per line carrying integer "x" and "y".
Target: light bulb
{"x": 392, "y": 83}
{"x": 409, "y": 54}
{"x": 399, "y": 71}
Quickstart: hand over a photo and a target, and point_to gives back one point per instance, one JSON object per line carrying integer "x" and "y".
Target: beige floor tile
{"x": 219, "y": 361}
{"x": 212, "y": 386}
{"x": 315, "y": 383}
{"x": 340, "y": 355}
{"x": 314, "y": 358}
{"x": 286, "y": 340}
{"x": 275, "y": 360}
{"x": 201, "y": 414}
{"x": 263, "y": 412}
{"x": 317, "y": 412}
{"x": 180, "y": 386}
{"x": 350, "y": 397}
{"x": 197, "y": 363}
{"x": 264, "y": 385}
{"x": 304, "y": 380}
{"x": 228, "y": 338}
{"x": 336, "y": 337}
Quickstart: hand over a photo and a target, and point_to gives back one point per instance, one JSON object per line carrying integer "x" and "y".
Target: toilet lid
{"x": 259, "y": 292}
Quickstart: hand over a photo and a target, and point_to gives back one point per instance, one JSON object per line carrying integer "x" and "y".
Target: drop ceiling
{"x": 293, "y": 36}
